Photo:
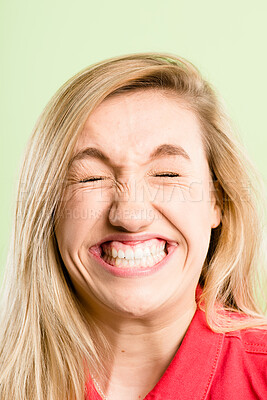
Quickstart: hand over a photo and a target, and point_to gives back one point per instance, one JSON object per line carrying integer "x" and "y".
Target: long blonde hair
{"x": 46, "y": 344}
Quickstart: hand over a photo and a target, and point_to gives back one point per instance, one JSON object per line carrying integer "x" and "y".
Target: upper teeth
{"x": 138, "y": 253}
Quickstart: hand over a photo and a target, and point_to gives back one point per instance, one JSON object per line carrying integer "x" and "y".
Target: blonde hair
{"x": 46, "y": 345}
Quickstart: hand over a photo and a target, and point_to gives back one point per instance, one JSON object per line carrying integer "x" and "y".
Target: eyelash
{"x": 162, "y": 175}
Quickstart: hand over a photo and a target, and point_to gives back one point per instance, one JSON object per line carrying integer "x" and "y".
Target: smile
{"x": 145, "y": 254}
{"x": 128, "y": 258}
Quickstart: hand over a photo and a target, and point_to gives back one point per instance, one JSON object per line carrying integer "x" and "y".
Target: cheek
{"x": 189, "y": 210}
{"x": 78, "y": 213}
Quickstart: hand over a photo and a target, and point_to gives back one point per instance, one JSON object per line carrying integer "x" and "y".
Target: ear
{"x": 216, "y": 204}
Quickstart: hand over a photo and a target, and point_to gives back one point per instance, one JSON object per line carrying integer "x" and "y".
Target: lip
{"x": 135, "y": 271}
{"x": 122, "y": 237}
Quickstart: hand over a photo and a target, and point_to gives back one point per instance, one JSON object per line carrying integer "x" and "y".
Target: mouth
{"x": 133, "y": 257}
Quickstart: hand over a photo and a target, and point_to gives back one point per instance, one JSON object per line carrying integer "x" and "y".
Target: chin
{"x": 135, "y": 310}
{"x": 136, "y": 305}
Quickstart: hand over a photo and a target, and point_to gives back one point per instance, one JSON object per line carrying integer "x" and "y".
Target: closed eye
{"x": 92, "y": 179}
{"x": 167, "y": 174}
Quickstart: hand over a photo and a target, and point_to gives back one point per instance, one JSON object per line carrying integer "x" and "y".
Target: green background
{"x": 43, "y": 43}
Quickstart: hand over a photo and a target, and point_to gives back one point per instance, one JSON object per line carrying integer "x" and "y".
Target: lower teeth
{"x": 142, "y": 263}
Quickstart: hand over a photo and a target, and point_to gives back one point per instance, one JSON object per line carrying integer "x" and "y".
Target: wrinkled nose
{"x": 131, "y": 207}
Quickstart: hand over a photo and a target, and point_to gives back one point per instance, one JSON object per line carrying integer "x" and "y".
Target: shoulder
{"x": 247, "y": 349}
{"x": 251, "y": 341}
{"x": 247, "y": 346}
{"x": 242, "y": 366}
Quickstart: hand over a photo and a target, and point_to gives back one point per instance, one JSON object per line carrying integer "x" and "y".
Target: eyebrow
{"x": 169, "y": 150}
{"x": 161, "y": 151}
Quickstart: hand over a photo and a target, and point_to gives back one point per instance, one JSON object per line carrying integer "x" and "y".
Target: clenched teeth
{"x": 134, "y": 254}
{"x": 123, "y": 255}
{"x": 143, "y": 262}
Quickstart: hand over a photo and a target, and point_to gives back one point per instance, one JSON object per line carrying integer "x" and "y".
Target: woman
{"x": 133, "y": 268}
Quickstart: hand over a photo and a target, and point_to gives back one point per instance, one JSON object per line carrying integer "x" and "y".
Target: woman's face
{"x": 137, "y": 213}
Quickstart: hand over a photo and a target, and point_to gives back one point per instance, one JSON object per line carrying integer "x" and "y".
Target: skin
{"x": 156, "y": 309}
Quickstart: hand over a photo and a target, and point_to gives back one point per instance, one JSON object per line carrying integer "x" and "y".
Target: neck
{"x": 141, "y": 348}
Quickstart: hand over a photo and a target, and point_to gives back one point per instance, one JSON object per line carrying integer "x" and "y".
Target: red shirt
{"x": 215, "y": 366}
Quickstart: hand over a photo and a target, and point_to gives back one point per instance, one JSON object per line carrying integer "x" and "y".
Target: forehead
{"x": 129, "y": 126}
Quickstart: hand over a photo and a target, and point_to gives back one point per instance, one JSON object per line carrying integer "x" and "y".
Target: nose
{"x": 131, "y": 208}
